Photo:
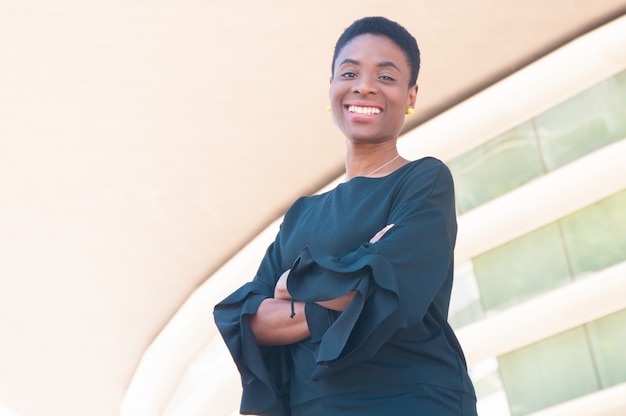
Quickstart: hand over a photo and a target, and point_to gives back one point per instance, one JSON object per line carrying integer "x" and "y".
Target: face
{"x": 369, "y": 91}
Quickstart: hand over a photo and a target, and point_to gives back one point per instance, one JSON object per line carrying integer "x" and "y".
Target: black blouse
{"x": 394, "y": 334}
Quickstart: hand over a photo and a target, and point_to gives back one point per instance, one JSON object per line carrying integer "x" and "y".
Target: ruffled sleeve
{"x": 264, "y": 370}
{"x": 397, "y": 279}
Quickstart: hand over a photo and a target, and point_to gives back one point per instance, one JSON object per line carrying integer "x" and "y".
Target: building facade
{"x": 540, "y": 307}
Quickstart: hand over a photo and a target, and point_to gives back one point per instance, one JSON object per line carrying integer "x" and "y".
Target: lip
{"x": 366, "y": 109}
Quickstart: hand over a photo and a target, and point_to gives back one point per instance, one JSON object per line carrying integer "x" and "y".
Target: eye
{"x": 348, "y": 75}
{"x": 387, "y": 78}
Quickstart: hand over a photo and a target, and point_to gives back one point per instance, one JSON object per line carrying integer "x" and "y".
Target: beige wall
{"x": 105, "y": 191}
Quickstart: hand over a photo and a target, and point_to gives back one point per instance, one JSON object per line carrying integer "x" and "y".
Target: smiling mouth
{"x": 363, "y": 110}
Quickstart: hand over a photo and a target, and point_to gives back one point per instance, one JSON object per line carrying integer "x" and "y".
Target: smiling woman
{"x": 370, "y": 91}
{"x": 347, "y": 314}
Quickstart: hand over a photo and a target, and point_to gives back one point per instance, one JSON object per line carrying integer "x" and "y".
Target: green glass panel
{"x": 487, "y": 379}
{"x": 608, "y": 344}
{"x": 496, "y": 167}
{"x": 522, "y": 268}
{"x": 584, "y": 123}
{"x": 552, "y": 371}
{"x": 595, "y": 236}
{"x": 465, "y": 306}
{"x": 466, "y": 315}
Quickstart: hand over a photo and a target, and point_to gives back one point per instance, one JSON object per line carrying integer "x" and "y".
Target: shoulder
{"x": 427, "y": 170}
{"x": 428, "y": 163}
{"x": 300, "y": 205}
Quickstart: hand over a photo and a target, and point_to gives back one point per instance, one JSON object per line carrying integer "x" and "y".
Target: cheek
{"x": 333, "y": 94}
{"x": 335, "y": 105}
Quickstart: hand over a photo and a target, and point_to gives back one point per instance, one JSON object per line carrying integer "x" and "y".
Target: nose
{"x": 364, "y": 85}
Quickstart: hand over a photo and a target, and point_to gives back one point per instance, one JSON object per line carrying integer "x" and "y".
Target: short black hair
{"x": 376, "y": 25}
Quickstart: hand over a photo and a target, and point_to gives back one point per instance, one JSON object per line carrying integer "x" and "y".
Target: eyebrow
{"x": 380, "y": 65}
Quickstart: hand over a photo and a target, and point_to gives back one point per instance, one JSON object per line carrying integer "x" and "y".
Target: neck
{"x": 372, "y": 161}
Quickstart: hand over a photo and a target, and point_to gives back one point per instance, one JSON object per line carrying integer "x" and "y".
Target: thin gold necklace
{"x": 386, "y": 164}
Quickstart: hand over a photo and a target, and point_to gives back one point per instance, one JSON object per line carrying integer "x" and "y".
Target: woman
{"x": 347, "y": 314}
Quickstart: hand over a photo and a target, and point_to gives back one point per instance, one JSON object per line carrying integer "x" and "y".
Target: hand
{"x": 280, "y": 290}
{"x": 379, "y": 234}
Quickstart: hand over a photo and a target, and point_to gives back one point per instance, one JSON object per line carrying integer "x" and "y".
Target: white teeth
{"x": 363, "y": 110}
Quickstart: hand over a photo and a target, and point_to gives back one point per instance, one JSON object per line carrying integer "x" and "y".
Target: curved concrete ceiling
{"x": 143, "y": 145}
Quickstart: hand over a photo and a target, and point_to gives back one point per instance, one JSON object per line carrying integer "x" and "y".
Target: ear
{"x": 412, "y": 95}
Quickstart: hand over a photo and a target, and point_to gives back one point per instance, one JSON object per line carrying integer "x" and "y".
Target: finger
{"x": 382, "y": 232}
{"x": 387, "y": 228}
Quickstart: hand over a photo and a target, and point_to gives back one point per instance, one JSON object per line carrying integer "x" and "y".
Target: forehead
{"x": 370, "y": 47}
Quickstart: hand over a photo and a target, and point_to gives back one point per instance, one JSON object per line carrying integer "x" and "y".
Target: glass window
{"x": 465, "y": 306}
{"x": 584, "y": 123}
{"x": 595, "y": 236}
{"x": 489, "y": 390}
{"x": 568, "y": 131}
{"x": 496, "y": 167}
{"x": 548, "y": 372}
{"x": 527, "y": 266}
{"x": 608, "y": 344}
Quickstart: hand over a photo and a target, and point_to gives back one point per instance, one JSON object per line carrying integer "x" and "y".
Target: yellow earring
{"x": 409, "y": 111}
{"x": 328, "y": 109}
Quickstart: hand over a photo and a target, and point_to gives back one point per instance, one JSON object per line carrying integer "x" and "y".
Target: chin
{"x": 369, "y": 136}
